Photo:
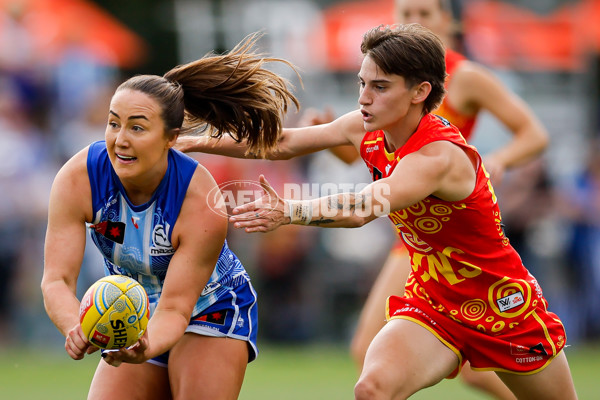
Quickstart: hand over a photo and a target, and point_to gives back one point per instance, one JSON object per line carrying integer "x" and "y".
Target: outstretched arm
{"x": 440, "y": 168}
{"x": 346, "y": 210}
{"x": 345, "y": 130}
{"x": 346, "y": 153}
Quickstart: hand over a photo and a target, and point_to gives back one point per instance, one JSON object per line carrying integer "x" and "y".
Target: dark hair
{"x": 225, "y": 94}
{"x": 411, "y": 51}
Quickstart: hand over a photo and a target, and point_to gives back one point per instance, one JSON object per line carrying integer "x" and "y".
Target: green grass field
{"x": 280, "y": 373}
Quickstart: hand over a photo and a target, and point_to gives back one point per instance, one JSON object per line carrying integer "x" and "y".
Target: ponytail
{"x": 234, "y": 94}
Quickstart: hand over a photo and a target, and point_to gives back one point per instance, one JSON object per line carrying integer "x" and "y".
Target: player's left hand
{"x": 262, "y": 215}
{"x": 135, "y": 354}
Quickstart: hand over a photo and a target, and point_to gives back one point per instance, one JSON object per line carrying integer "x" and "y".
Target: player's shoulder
{"x": 75, "y": 168}
{"x": 473, "y": 85}
{"x": 472, "y": 72}
{"x": 203, "y": 205}
{"x": 71, "y": 189}
{"x": 202, "y": 186}
{"x": 438, "y": 148}
{"x": 352, "y": 125}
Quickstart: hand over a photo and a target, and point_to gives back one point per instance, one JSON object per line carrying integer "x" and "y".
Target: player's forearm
{"x": 165, "y": 329}
{"x": 345, "y": 210}
{"x": 225, "y": 146}
{"x": 61, "y": 306}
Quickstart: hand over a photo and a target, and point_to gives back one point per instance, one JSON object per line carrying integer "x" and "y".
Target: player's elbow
{"x": 538, "y": 136}
{"x": 47, "y": 285}
{"x": 543, "y": 140}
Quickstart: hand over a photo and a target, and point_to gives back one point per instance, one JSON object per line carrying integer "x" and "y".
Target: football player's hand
{"x": 135, "y": 354}
{"x": 77, "y": 345}
{"x": 262, "y": 215}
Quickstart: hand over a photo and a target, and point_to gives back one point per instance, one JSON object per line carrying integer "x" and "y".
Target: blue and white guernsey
{"x": 136, "y": 240}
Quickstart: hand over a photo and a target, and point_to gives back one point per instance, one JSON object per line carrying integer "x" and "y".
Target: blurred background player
{"x": 471, "y": 89}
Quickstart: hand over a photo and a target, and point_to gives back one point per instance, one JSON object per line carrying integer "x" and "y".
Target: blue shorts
{"x": 234, "y": 315}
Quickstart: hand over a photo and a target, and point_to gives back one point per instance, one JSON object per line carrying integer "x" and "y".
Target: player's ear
{"x": 172, "y": 135}
{"x": 421, "y": 91}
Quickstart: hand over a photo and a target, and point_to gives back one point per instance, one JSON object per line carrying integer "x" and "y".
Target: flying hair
{"x": 234, "y": 94}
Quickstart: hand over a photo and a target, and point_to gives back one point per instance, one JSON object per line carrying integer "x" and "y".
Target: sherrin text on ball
{"x": 114, "y": 312}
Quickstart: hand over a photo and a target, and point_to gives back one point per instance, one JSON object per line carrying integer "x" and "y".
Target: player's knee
{"x": 371, "y": 387}
{"x": 366, "y": 389}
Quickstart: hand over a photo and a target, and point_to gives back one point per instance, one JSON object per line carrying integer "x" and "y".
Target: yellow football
{"x": 114, "y": 312}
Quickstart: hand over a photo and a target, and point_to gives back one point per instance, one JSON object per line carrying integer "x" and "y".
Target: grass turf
{"x": 280, "y": 372}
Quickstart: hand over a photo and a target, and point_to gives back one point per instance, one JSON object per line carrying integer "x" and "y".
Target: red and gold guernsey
{"x": 465, "y": 123}
{"x": 463, "y": 265}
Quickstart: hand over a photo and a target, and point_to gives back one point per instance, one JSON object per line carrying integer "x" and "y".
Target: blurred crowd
{"x": 311, "y": 283}
{"x": 49, "y": 109}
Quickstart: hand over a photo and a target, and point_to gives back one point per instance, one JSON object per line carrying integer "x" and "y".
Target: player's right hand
{"x": 77, "y": 345}
{"x": 135, "y": 354}
{"x": 262, "y": 215}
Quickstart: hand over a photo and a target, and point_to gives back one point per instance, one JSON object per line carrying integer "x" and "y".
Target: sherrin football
{"x": 114, "y": 312}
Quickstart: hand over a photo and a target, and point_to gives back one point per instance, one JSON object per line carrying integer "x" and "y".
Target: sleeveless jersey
{"x": 135, "y": 240}
{"x": 464, "y": 123}
{"x": 462, "y": 263}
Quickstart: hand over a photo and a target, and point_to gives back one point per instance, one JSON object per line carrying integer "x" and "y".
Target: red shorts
{"x": 526, "y": 349}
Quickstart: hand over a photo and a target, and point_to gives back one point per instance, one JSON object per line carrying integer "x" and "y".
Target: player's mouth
{"x": 366, "y": 115}
{"x": 126, "y": 159}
